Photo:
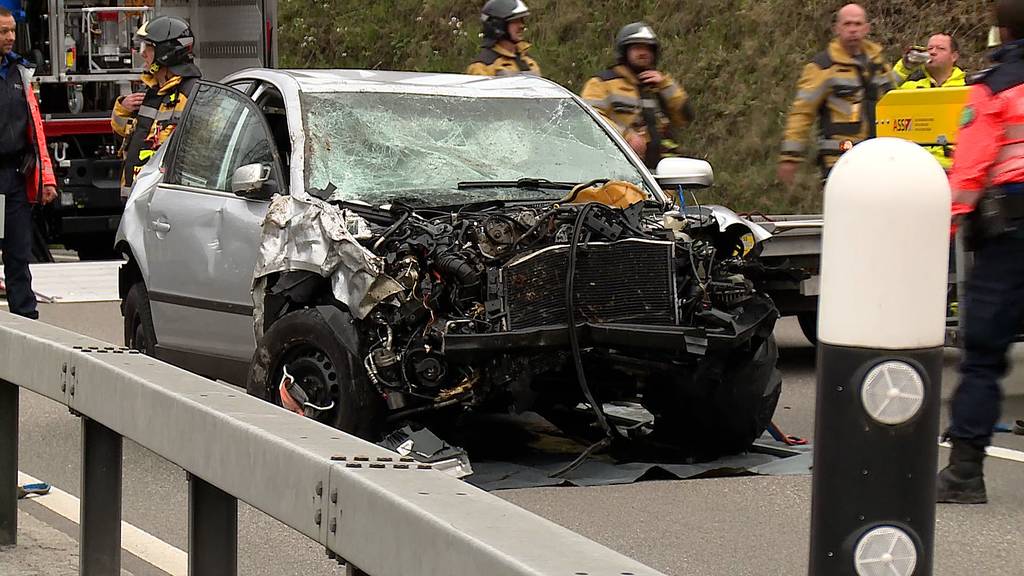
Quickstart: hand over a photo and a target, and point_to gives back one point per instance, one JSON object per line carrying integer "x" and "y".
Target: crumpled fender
{"x": 726, "y": 218}
{"x": 343, "y": 326}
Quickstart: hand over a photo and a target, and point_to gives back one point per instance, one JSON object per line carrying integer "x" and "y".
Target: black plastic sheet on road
{"x": 547, "y": 452}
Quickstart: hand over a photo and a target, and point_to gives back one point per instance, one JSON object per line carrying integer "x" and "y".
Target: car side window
{"x": 222, "y": 132}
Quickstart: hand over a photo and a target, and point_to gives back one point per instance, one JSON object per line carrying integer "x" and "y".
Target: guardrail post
{"x": 8, "y": 464}
{"x": 880, "y": 336}
{"x": 212, "y": 530}
{"x": 100, "y": 537}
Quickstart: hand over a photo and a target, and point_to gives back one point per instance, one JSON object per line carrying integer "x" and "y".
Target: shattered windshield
{"x": 377, "y": 147}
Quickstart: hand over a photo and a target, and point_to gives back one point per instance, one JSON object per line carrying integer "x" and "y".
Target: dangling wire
{"x": 570, "y": 306}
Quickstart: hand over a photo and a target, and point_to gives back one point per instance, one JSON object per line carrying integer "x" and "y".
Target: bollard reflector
{"x": 892, "y": 393}
{"x": 885, "y": 551}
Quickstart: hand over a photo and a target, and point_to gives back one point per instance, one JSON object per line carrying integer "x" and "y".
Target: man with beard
{"x": 645, "y": 105}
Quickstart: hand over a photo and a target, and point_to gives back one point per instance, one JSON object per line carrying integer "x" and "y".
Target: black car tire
{"x": 809, "y": 325}
{"x": 304, "y": 336}
{"x": 139, "y": 333}
{"x": 725, "y": 404}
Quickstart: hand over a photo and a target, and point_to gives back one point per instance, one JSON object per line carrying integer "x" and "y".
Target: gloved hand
{"x": 915, "y": 57}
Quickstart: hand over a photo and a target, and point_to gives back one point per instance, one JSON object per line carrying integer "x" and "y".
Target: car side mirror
{"x": 685, "y": 172}
{"x": 253, "y": 182}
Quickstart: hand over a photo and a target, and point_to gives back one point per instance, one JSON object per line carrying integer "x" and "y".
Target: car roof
{"x": 428, "y": 83}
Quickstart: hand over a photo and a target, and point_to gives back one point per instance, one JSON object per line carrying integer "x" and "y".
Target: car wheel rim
{"x": 314, "y": 372}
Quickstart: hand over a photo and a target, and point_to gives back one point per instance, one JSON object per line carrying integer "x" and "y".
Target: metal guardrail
{"x": 336, "y": 489}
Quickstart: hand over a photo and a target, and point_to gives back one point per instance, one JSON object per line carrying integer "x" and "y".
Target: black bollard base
{"x": 869, "y": 474}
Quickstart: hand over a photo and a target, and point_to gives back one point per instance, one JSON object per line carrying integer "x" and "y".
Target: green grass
{"x": 738, "y": 59}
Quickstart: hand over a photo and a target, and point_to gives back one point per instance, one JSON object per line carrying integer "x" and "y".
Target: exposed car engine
{"x": 503, "y": 306}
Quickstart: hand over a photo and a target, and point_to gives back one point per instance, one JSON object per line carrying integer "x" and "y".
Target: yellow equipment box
{"x": 927, "y": 116}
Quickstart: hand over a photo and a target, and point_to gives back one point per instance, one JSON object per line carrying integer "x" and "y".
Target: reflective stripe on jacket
{"x": 161, "y": 110}
{"x": 990, "y": 144}
{"x": 921, "y": 79}
{"x": 497, "y": 61}
{"x": 621, "y": 98}
{"x": 840, "y": 93}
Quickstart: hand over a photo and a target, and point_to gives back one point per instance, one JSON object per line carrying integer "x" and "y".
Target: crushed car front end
{"x": 508, "y": 254}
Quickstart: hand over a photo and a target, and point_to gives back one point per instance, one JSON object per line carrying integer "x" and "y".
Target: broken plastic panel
{"x": 379, "y": 147}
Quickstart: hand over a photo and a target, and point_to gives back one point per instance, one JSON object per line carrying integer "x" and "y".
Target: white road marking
{"x": 997, "y": 452}
{"x": 142, "y": 544}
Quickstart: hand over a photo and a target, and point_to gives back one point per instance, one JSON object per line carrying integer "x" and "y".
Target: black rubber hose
{"x": 462, "y": 270}
{"x": 574, "y": 337}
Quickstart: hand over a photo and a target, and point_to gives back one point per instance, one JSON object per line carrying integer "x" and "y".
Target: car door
{"x": 203, "y": 239}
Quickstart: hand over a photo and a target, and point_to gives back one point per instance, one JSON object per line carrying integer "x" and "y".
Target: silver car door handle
{"x": 160, "y": 226}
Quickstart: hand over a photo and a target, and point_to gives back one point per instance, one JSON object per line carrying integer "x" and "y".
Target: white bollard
{"x": 881, "y": 329}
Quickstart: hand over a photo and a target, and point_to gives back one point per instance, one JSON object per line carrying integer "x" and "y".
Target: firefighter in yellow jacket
{"x": 647, "y": 106}
{"x": 504, "y": 52}
{"x": 933, "y": 67}
{"x": 146, "y": 119}
{"x": 839, "y": 88}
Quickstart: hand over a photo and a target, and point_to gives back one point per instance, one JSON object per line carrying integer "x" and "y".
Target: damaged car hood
{"x": 306, "y": 233}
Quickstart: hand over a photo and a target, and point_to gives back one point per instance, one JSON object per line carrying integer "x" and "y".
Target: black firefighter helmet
{"x": 635, "y": 33}
{"x": 172, "y": 42}
{"x": 496, "y": 15}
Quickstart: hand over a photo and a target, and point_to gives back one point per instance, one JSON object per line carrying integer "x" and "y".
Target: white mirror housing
{"x": 686, "y": 172}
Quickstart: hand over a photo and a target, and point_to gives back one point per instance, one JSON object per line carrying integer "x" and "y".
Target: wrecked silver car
{"x": 372, "y": 249}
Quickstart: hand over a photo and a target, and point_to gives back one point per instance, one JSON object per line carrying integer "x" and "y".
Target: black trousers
{"x": 991, "y": 314}
{"x": 17, "y": 245}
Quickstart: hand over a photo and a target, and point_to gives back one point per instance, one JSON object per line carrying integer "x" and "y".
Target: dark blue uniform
{"x": 15, "y": 149}
{"x": 987, "y": 181}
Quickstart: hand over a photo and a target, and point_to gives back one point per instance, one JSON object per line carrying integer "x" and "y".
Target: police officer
{"x": 646, "y": 105}
{"x": 504, "y": 52}
{"x": 146, "y": 119}
{"x": 987, "y": 180}
{"x": 26, "y": 175}
{"x": 839, "y": 87}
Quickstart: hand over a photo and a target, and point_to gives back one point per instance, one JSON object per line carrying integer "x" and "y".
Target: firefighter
{"x": 839, "y": 87}
{"x": 646, "y": 105}
{"x": 503, "y": 52}
{"x": 26, "y": 174}
{"x": 987, "y": 181}
{"x": 146, "y": 119}
{"x": 937, "y": 70}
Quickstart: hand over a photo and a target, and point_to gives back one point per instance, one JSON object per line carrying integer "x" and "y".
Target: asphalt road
{"x": 731, "y": 526}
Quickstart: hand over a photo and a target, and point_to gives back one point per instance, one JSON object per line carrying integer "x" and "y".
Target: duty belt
{"x": 1011, "y": 202}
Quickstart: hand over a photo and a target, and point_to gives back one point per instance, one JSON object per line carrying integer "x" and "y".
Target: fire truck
{"x": 85, "y": 59}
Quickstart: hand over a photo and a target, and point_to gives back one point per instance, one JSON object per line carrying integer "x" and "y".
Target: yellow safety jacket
{"x": 920, "y": 79}
{"x": 631, "y": 107}
{"x": 497, "y": 61}
{"x": 840, "y": 92}
{"x": 144, "y": 131}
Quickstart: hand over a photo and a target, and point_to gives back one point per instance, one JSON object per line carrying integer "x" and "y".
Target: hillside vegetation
{"x": 739, "y": 60}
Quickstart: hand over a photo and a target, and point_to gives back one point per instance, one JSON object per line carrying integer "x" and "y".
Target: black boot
{"x": 962, "y": 482}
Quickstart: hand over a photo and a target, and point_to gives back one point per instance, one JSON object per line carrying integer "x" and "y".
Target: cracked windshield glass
{"x": 377, "y": 147}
